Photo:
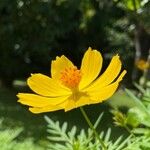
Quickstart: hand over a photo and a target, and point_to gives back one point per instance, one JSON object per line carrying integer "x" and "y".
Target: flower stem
{"x": 129, "y": 130}
{"x": 92, "y": 127}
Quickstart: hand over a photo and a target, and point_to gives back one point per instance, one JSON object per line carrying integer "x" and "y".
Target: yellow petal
{"x": 49, "y": 108}
{"x": 78, "y": 100}
{"x": 46, "y": 86}
{"x": 101, "y": 94}
{"x": 39, "y": 101}
{"x": 59, "y": 65}
{"x": 109, "y": 75}
{"x": 90, "y": 67}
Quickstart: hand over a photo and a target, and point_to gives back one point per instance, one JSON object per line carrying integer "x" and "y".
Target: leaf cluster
{"x": 9, "y": 141}
{"x": 62, "y": 138}
{"x": 137, "y": 119}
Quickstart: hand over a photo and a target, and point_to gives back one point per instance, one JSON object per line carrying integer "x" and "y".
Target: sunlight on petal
{"x": 101, "y": 94}
{"x": 90, "y": 67}
{"x": 46, "y": 86}
{"x": 48, "y": 108}
{"x": 77, "y": 101}
{"x": 109, "y": 75}
{"x": 59, "y": 65}
{"x": 39, "y": 101}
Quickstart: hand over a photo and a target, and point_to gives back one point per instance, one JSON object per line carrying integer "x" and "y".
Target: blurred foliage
{"x": 32, "y": 32}
{"x": 137, "y": 119}
{"x": 62, "y": 138}
{"x": 9, "y": 141}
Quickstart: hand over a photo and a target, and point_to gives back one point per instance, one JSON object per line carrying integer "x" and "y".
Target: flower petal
{"x": 90, "y": 67}
{"x": 39, "y": 101}
{"x": 103, "y": 93}
{"x": 48, "y": 108}
{"x": 77, "y": 101}
{"x": 109, "y": 75}
{"x": 45, "y": 86}
{"x": 58, "y": 65}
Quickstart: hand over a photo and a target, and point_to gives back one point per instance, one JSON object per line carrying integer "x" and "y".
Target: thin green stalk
{"x": 128, "y": 129}
{"x": 92, "y": 127}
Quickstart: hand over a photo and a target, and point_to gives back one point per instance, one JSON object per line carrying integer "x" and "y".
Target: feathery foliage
{"x": 62, "y": 138}
{"x": 137, "y": 119}
{"x": 8, "y": 140}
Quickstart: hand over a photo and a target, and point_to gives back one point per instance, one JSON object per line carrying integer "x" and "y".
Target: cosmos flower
{"x": 70, "y": 87}
{"x": 142, "y": 64}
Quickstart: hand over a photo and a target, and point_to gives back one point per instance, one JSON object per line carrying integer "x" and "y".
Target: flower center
{"x": 70, "y": 77}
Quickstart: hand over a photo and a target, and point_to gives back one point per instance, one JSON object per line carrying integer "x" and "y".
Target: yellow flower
{"x": 142, "y": 64}
{"x": 70, "y": 87}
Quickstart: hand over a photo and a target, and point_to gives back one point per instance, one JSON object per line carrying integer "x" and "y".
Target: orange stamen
{"x": 71, "y": 77}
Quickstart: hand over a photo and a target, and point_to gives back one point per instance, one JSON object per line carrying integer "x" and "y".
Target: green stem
{"x": 128, "y": 129}
{"x": 92, "y": 127}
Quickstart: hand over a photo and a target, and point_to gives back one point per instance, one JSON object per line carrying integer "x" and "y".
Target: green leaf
{"x": 133, "y": 117}
{"x": 141, "y": 131}
{"x": 137, "y": 101}
{"x": 82, "y": 140}
{"x": 132, "y": 4}
{"x": 140, "y": 88}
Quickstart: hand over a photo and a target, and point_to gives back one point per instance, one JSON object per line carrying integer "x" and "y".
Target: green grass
{"x": 17, "y": 115}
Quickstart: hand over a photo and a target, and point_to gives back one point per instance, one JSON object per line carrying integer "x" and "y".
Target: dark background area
{"x": 34, "y": 32}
